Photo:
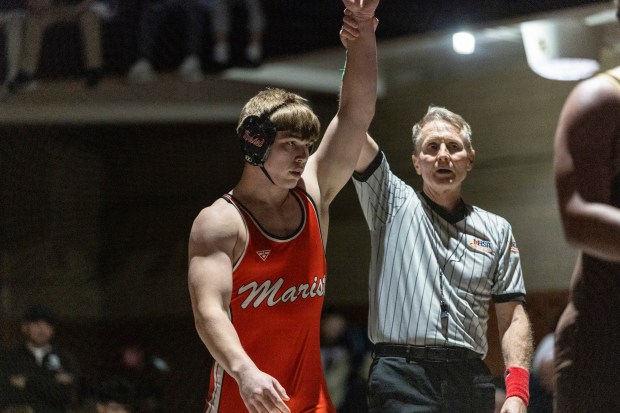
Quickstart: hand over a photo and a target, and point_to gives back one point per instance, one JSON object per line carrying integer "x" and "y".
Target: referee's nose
{"x": 443, "y": 154}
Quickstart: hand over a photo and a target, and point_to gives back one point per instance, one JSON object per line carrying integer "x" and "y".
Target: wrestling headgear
{"x": 256, "y": 136}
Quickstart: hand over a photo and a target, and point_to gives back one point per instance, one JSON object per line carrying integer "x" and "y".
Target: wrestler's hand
{"x": 514, "y": 405}
{"x": 262, "y": 393}
{"x": 361, "y": 9}
{"x": 349, "y": 30}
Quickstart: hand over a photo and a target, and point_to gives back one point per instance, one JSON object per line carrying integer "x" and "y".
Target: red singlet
{"x": 277, "y": 296}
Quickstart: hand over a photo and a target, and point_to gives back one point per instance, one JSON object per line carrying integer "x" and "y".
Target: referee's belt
{"x": 424, "y": 353}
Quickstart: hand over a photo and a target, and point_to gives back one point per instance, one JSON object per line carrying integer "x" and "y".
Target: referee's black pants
{"x": 396, "y": 385}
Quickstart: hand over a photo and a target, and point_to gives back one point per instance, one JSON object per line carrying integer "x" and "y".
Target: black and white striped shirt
{"x": 418, "y": 251}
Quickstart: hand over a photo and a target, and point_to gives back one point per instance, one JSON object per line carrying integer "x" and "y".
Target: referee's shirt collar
{"x": 453, "y": 218}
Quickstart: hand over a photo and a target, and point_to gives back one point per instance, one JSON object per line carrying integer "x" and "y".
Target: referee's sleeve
{"x": 509, "y": 285}
{"x": 371, "y": 185}
{"x": 374, "y": 165}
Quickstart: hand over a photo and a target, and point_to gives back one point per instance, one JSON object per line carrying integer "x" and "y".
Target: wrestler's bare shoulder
{"x": 219, "y": 221}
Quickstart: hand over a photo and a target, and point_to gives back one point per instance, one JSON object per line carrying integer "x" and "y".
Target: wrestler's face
{"x": 442, "y": 158}
{"x": 287, "y": 158}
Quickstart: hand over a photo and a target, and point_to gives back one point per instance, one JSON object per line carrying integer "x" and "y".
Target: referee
{"x": 436, "y": 264}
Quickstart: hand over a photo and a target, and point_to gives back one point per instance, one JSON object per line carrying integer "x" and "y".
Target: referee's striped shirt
{"x": 418, "y": 250}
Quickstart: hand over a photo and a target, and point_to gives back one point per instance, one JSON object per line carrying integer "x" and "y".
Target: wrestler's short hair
{"x": 287, "y": 111}
{"x": 273, "y": 110}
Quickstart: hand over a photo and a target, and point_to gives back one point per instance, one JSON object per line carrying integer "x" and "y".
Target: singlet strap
{"x": 234, "y": 201}
{"x": 248, "y": 217}
{"x": 314, "y": 209}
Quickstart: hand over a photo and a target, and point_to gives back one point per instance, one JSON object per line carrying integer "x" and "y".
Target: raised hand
{"x": 349, "y": 30}
{"x": 361, "y": 9}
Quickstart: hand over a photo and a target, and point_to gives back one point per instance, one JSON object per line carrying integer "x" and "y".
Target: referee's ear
{"x": 416, "y": 164}
{"x": 471, "y": 156}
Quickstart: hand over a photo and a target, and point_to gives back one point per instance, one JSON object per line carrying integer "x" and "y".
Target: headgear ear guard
{"x": 256, "y": 135}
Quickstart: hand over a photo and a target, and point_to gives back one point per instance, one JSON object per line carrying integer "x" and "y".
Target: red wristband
{"x": 517, "y": 381}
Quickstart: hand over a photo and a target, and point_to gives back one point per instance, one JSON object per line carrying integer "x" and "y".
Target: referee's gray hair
{"x": 438, "y": 113}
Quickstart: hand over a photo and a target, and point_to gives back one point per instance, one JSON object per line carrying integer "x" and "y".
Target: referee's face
{"x": 443, "y": 160}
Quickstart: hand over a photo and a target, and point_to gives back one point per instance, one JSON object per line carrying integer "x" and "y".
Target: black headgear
{"x": 256, "y": 136}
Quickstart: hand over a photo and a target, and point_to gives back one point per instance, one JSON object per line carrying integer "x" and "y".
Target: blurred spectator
{"x": 147, "y": 373}
{"x": 37, "y": 375}
{"x": 500, "y": 393}
{"x": 335, "y": 356}
{"x": 12, "y": 17}
{"x": 541, "y": 379}
{"x": 153, "y": 15}
{"x": 43, "y": 14}
{"x": 116, "y": 395}
{"x": 345, "y": 352}
{"x": 222, "y": 26}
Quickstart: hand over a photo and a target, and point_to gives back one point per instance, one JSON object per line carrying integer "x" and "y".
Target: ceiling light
{"x": 463, "y": 42}
{"x": 561, "y": 50}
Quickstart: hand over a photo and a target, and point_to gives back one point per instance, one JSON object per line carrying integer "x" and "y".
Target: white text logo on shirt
{"x": 271, "y": 292}
{"x": 482, "y": 245}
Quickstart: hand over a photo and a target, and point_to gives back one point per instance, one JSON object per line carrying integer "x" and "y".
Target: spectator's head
{"x": 115, "y": 395}
{"x": 37, "y": 325}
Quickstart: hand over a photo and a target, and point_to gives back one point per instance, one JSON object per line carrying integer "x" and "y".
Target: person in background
{"x": 115, "y": 395}
{"x": 37, "y": 374}
{"x": 152, "y": 18}
{"x": 587, "y": 180}
{"x": 542, "y": 384}
{"x": 335, "y": 356}
{"x": 222, "y": 26}
{"x": 257, "y": 270}
{"x": 12, "y": 18}
{"x": 345, "y": 352}
{"x": 147, "y": 373}
{"x": 43, "y": 14}
{"x": 500, "y": 393}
